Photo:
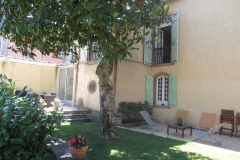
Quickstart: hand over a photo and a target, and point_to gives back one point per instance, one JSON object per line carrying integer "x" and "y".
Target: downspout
{"x": 75, "y": 79}
{"x": 74, "y": 83}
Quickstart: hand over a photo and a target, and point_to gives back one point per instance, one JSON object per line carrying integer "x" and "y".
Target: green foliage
{"x": 131, "y": 109}
{"x": 53, "y": 26}
{"x": 25, "y": 127}
{"x": 180, "y": 120}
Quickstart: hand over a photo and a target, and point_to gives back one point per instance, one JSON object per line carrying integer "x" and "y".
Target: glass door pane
{"x": 69, "y": 85}
{"x": 62, "y": 81}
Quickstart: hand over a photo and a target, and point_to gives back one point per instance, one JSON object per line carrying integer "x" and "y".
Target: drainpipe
{"x": 75, "y": 78}
{"x": 74, "y": 82}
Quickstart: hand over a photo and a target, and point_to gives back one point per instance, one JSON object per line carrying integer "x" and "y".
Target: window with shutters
{"x": 90, "y": 53}
{"x": 94, "y": 53}
{"x": 164, "y": 89}
{"x": 164, "y": 49}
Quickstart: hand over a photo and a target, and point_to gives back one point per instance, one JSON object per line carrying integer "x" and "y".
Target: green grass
{"x": 134, "y": 145}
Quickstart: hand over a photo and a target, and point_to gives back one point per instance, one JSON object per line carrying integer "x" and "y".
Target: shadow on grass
{"x": 131, "y": 145}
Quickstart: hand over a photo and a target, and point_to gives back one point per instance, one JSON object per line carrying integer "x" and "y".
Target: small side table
{"x": 183, "y": 127}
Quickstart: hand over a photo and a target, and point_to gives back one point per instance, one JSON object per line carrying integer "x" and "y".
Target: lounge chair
{"x": 149, "y": 120}
{"x": 209, "y": 134}
{"x": 207, "y": 120}
{"x": 180, "y": 113}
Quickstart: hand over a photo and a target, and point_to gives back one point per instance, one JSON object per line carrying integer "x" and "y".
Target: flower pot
{"x": 78, "y": 152}
{"x": 80, "y": 104}
{"x": 55, "y": 107}
{"x": 179, "y": 123}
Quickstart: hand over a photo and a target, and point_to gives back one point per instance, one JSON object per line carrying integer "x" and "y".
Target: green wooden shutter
{"x": 83, "y": 54}
{"x": 148, "y": 47}
{"x": 149, "y": 89}
{"x": 173, "y": 90}
{"x": 174, "y": 38}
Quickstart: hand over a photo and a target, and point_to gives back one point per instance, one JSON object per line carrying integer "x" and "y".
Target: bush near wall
{"x": 130, "y": 110}
{"x": 25, "y": 128}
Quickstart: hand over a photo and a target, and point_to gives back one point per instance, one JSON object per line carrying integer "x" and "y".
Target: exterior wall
{"x": 38, "y": 55}
{"x": 207, "y": 68}
{"x": 208, "y": 59}
{"x": 86, "y": 73}
{"x": 137, "y": 54}
{"x": 126, "y": 78}
{"x": 130, "y": 85}
{"x": 38, "y": 77}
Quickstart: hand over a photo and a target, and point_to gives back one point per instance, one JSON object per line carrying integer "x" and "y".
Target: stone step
{"x": 83, "y": 120}
{"x": 77, "y": 112}
{"x": 72, "y": 116}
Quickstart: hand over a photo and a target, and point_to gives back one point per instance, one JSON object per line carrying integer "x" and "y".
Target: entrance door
{"x": 65, "y": 91}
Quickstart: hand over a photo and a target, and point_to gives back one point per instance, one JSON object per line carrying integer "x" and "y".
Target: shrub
{"x": 131, "y": 109}
{"x": 25, "y": 128}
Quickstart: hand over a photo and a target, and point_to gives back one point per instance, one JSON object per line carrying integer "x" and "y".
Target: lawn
{"x": 134, "y": 145}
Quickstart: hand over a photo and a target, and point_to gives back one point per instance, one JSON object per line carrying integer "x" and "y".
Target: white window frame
{"x": 162, "y": 95}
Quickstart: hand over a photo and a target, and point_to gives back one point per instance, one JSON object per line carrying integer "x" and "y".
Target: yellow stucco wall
{"x": 87, "y": 74}
{"x": 137, "y": 54}
{"x": 130, "y": 81}
{"x": 208, "y": 77}
{"x": 39, "y": 78}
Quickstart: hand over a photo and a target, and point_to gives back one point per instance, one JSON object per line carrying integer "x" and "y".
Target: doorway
{"x": 65, "y": 88}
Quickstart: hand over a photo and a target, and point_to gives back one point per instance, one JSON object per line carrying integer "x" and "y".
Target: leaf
{"x": 16, "y": 141}
{"x": 90, "y": 20}
{"x": 6, "y": 137}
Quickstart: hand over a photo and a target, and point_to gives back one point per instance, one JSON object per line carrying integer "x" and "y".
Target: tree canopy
{"x": 61, "y": 26}
{"x": 56, "y": 26}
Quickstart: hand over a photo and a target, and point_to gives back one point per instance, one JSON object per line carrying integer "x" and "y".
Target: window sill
{"x": 161, "y": 106}
{"x": 163, "y": 64}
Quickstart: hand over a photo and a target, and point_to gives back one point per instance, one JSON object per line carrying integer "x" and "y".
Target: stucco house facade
{"x": 194, "y": 66}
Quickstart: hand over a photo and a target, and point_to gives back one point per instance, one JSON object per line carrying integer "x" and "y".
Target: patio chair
{"x": 149, "y": 120}
{"x": 180, "y": 113}
{"x": 207, "y": 120}
{"x": 209, "y": 134}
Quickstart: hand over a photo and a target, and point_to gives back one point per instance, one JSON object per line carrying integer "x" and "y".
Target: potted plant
{"x": 35, "y": 95}
{"x": 56, "y": 103}
{"x": 180, "y": 121}
{"x": 80, "y": 101}
{"x": 78, "y": 146}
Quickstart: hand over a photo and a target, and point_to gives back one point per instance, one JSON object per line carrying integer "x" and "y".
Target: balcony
{"x": 162, "y": 55}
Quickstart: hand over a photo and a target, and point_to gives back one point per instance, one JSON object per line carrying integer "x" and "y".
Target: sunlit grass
{"x": 134, "y": 145}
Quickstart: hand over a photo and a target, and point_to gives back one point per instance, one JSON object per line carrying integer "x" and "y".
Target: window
{"x": 94, "y": 52}
{"x": 161, "y": 89}
{"x": 91, "y": 54}
{"x": 92, "y": 86}
{"x": 164, "y": 48}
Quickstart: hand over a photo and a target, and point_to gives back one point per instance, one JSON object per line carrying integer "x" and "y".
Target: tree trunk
{"x": 107, "y": 125}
